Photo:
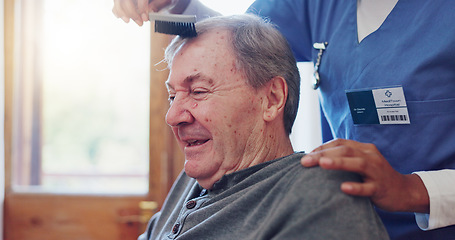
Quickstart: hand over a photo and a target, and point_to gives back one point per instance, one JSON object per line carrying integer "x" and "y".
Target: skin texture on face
{"x": 217, "y": 119}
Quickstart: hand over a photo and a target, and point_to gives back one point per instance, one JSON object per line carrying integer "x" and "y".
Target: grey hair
{"x": 262, "y": 53}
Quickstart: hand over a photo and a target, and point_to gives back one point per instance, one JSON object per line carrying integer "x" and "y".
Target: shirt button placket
{"x": 175, "y": 228}
{"x": 191, "y": 204}
{"x": 189, "y": 207}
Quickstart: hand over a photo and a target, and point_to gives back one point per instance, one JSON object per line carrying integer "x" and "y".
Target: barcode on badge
{"x": 388, "y": 118}
{"x": 393, "y": 116}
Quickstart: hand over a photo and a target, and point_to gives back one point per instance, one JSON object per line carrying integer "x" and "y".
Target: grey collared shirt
{"x": 278, "y": 199}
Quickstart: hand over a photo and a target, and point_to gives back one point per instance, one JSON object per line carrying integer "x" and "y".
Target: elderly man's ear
{"x": 276, "y": 92}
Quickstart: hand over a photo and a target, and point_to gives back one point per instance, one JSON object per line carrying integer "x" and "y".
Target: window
{"x": 81, "y": 99}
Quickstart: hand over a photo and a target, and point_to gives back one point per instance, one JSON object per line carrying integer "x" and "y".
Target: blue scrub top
{"x": 413, "y": 48}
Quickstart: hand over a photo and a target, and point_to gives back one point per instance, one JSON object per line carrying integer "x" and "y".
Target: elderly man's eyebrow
{"x": 198, "y": 77}
{"x": 168, "y": 85}
{"x": 192, "y": 78}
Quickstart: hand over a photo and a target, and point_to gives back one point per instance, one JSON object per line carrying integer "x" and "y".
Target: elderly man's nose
{"x": 178, "y": 114}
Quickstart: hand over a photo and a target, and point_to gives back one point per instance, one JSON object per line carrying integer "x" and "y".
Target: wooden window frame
{"x": 24, "y": 217}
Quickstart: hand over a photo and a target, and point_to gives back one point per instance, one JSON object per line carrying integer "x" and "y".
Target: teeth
{"x": 195, "y": 142}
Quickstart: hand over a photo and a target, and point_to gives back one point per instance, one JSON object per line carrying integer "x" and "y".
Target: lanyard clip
{"x": 321, "y": 47}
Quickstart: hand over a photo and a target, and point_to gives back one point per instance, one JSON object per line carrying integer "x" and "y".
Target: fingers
{"x": 127, "y": 9}
{"x": 367, "y": 147}
{"x": 138, "y": 10}
{"x": 133, "y": 12}
{"x": 359, "y": 189}
{"x": 118, "y": 11}
{"x": 308, "y": 161}
{"x": 157, "y": 5}
{"x": 360, "y": 165}
{"x": 334, "y": 150}
{"x": 143, "y": 10}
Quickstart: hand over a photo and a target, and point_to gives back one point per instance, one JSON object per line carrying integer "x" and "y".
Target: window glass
{"x": 82, "y": 99}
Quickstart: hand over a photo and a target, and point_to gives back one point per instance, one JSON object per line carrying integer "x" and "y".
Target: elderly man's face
{"x": 215, "y": 116}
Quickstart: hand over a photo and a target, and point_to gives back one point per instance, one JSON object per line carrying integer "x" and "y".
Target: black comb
{"x": 174, "y": 24}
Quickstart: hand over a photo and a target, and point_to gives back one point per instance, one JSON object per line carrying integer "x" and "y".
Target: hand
{"x": 138, "y": 10}
{"x": 387, "y": 188}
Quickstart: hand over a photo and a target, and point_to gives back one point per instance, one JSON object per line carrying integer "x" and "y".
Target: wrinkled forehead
{"x": 208, "y": 55}
{"x": 212, "y": 49}
{"x": 216, "y": 41}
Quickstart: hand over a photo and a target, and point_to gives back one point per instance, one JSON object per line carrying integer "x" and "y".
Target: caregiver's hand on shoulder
{"x": 387, "y": 188}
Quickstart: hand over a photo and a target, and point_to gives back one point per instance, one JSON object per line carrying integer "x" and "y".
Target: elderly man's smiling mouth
{"x": 193, "y": 148}
{"x": 195, "y": 142}
{"x": 194, "y": 138}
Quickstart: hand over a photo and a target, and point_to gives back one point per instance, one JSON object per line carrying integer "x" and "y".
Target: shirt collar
{"x": 229, "y": 180}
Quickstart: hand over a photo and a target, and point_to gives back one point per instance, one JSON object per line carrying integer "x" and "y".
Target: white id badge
{"x": 378, "y": 106}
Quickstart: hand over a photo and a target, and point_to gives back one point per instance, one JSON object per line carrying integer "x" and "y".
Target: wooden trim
{"x": 27, "y": 88}
{"x": 9, "y": 70}
{"x": 71, "y": 217}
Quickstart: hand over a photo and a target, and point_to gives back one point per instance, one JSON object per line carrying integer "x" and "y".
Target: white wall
{"x": 306, "y": 133}
{"x": 2, "y": 115}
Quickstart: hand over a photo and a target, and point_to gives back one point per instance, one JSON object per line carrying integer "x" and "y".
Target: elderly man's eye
{"x": 199, "y": 93}
{"x": 171, "y": 98}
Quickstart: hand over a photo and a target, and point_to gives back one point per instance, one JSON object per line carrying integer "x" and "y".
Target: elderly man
{"x": 233, "y": 93}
